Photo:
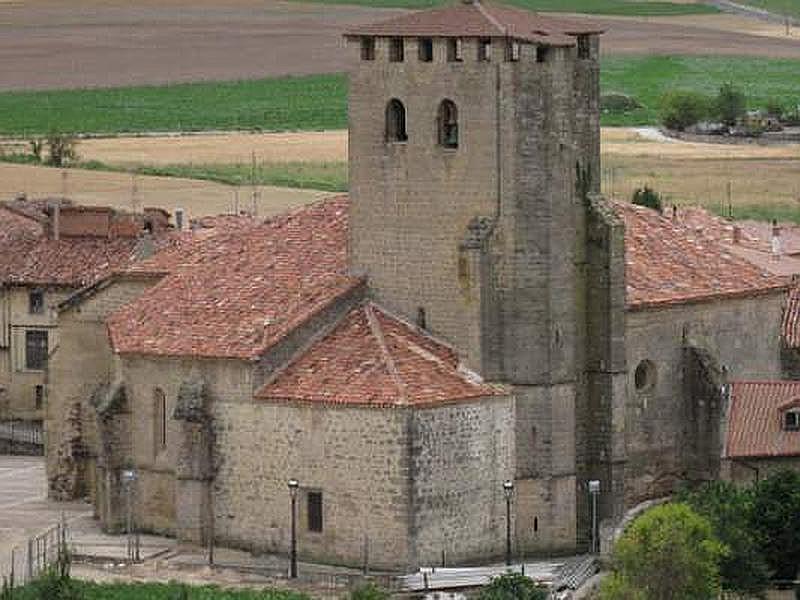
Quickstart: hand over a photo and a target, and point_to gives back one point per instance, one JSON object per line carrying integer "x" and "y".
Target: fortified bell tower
{"x": 474, "y": 140}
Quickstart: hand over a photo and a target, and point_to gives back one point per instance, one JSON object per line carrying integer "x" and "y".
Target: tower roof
{"x": 479, "y": 19}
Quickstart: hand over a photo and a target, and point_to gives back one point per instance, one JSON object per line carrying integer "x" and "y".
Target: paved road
{"x": 24, "y": 509}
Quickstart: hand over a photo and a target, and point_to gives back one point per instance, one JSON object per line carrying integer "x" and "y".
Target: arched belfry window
{"x": 448, "y": 124}
{"x": 396, "y": 121}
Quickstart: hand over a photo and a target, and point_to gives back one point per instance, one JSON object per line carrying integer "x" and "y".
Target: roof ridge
{"x": 375, "y": 327}
{"x": 490, "y": 17}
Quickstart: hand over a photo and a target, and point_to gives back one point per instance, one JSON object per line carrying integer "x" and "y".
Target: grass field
{"x": 778, "y": 7}
{"x": 599, "y": 7}
{"x": 159, "y": 591}
{"x": 320, "y": 102}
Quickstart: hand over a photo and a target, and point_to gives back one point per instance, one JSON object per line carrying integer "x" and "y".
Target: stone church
{"x": 473, "y": 312}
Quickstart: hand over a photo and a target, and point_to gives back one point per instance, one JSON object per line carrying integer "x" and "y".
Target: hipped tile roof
{"x": 481, "y": 19}
{"x": 755, "y": 425}
{"x": 373, "y": 358}
{"x": 237, "y": 293}
{"x": 668, "y": 262}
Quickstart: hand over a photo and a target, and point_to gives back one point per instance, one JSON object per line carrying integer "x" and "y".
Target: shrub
{"x": 61, "y": 149}
{"x": 369, "y": 591}
{"x": 730, "y": 510}
{"x": 729, "y": 105}
{"x": 648, "y": 197}
{"x": 614, "y": 102}
{"x": 774, "y": 107}
{"x": 668, "y": 552}
{"x": 680, "y": 109}
{"x": 776, "y": 505}
{"x": 512, "y": 586}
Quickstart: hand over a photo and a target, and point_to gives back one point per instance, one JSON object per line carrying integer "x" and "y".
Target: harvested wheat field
{"x": 121, "y": 190}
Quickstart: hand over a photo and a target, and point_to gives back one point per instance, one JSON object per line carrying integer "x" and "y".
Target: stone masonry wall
{"x": 745, "y": 336}
{"x": 461, "y": 455}
{"x": 357, "y": 458}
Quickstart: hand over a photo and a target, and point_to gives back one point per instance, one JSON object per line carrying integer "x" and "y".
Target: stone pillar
{"x": 194, "y": 466}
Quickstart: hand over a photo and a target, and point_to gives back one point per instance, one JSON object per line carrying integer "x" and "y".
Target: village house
{"x": 472, "y": 314}
{"x": 48, "y": 250}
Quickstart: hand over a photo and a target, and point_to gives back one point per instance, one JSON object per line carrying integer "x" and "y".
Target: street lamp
{"x": 129, "y": 477}
{"x": 293, "y": 485}
{"x": 508, "y": 491}
{"x": 594, "y": 492}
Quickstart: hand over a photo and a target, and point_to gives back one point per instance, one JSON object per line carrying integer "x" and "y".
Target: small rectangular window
{"x": 367, "y": 48}
{"x": 541, "y": 53}
{"x": 396, "y": 50}
{"x": 425, "y": 49}
{"x": 584, "y": 47}
{"x": 484, "y": 50}
{"x": 791, "y": 421}
{"x": 315, "y": 511}
{"x": 36, "y": 302}
{"x": 39, "y": 397}
{"x": 512, "y": 51}
{"x": 454, "y": 50}
{"x": 35, "y": 350}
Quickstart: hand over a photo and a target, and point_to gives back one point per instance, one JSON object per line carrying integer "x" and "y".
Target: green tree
{"x": 729, "y": 105}
{"x": 680, "y": 109}
{"x": 776, "y": 513}
{"x": 369, "y": 591}
{"x": 512, "y": 586}
{"x": 61, "y": 149}
{"x": 648, "y": 197}
{"x": 668, "y": 552}
{"x": 729, "y": 509}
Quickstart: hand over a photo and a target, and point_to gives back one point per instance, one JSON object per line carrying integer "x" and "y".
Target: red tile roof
{"x": 237, "y": 293}
{"x": 29, "y": 257}
{"x": 755, "y": 425}
{"x": 372, "y": 358}
{"x": 481, "y": 19}
{"x": 668, "y": 262}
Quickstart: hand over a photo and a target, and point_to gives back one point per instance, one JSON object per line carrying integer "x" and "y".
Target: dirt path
{"x": 49, "y": 44}
{"x": 198, "y": 198}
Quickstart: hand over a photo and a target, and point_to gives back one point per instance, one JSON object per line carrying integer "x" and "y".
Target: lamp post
{"x": 508, "y": 491}
{"x": 293, "y": 485}
{"x": 129, "y": 477}
{"x": 594, "y": 492}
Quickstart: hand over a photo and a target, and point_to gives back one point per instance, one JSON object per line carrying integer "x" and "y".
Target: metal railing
{"x": 39, "y": 553}
{"x": 21, "y": 437}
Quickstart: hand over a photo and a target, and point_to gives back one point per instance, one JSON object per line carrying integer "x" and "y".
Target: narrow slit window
{"x": 396, "y": 50}
{"x": 584, "y": 47}
{"x": 39, "y": 397}
{"x": 425, "y": 49}
{"x": 448, "y": 124}
{"x": 454, "y": 50}
{"x": 367, "y": 48}
{"x": 160, "y": 419}
{"x": 36, "y": 302}
{"x": 484, "y": 50}
{"x": 396, "y": 122}
{"x": 315, "y": 511}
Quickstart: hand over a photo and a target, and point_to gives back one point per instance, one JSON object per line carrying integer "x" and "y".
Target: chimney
{"x": 737, "y": 234}
{"x": 179, "y": 219}
{"x": 674, "y": 212}
{"x": 776, "y": 238}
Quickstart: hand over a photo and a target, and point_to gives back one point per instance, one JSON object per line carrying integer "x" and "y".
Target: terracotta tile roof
{"x": 29, "y": 257}
{"x": 372, "y": 358}
{"x": 790, "y": 327}
{"x": 668, "y": 262}
{"x": 474, "y": 19}
{"x": 237, "y": 293}
{"x": 755, "y": 425}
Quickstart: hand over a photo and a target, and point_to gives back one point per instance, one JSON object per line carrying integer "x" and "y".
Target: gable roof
{"x": 373, "y": 358}
{"x": 754, "y": 420}
{"x": 235, "y": 294}
{"x": 481, "y": 19}
{"x": 668, "y": 262}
